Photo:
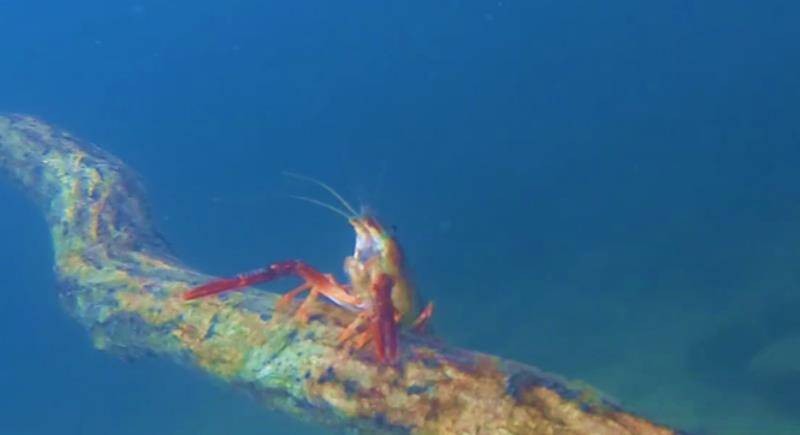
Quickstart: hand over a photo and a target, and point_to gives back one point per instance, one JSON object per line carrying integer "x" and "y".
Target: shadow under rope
{"x": 758, "y": 356}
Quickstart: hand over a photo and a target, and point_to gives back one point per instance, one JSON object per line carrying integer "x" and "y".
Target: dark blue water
{"x": 607, "y": 191}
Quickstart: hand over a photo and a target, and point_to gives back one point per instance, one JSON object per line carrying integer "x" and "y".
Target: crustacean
{"x": 379, "y": 290}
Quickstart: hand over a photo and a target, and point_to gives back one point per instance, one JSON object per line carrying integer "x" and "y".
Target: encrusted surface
{"x": 117, "y": 278}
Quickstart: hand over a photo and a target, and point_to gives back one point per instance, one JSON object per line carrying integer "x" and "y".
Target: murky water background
{"x": 609, "y": 192}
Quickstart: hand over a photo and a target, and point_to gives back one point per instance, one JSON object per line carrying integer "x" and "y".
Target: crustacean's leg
{"x": 286, "y": 299}
{"x": 359, "y": 330}
{"x": 315, "y": 282}
{"x": 354, "y": 328}
{"x": 382, "y": 320}
{"x": 318, "y": 283}
{"x": 421, "y": 322}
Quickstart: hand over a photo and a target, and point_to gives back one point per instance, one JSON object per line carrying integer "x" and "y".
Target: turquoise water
{"x": 607, "y": 192}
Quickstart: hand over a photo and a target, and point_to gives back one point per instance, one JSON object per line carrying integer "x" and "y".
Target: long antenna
{"x": 329, "y": 189}
{"x": 322, "y": 204}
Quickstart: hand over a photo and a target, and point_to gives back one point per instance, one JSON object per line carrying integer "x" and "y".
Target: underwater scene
{"x": 606, "y": 191}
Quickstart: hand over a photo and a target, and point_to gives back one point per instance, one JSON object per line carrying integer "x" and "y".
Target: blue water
{"x": 609, "y": 191}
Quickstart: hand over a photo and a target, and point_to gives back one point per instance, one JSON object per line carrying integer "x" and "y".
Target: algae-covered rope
{"x": 116, "y": 276}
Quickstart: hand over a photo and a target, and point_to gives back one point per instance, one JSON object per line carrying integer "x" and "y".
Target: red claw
{"x": 384, "y": 325}
{"x": 265, "y": 274}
